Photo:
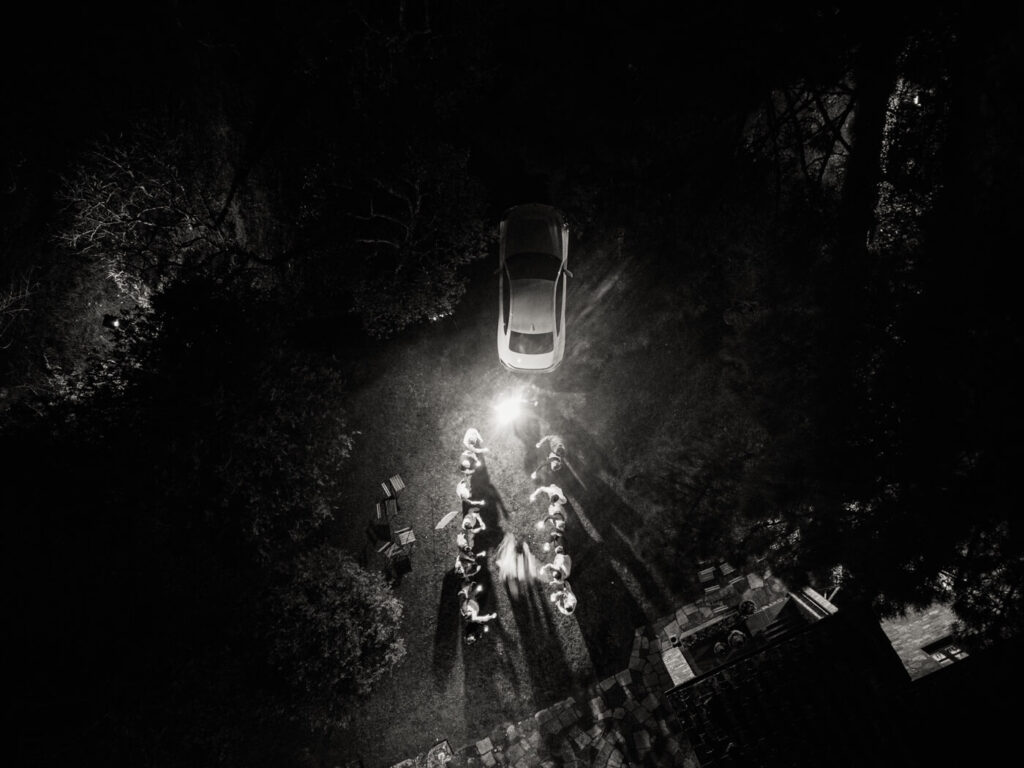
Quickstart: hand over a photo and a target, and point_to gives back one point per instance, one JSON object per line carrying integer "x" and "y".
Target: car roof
{"x": 532, "y": 309}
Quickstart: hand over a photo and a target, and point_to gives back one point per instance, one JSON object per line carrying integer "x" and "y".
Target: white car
{"x": 533, "y": 259}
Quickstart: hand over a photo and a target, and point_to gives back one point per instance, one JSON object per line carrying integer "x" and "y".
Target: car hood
{"x": 533, "y": 308}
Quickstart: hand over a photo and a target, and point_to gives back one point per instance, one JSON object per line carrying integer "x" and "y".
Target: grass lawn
{"x": 632, "y": 379}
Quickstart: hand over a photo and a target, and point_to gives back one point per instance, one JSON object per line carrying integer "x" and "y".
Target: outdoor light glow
{"x": 540, "y": 525}
{"x": 508, "y": 409}
{"x": 117, "y": 323}
{"x": 547, "y": 547}
{"x": 479, "y": 588}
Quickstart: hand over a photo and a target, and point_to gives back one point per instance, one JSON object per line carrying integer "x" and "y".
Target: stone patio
{"x": 623, "y": 720}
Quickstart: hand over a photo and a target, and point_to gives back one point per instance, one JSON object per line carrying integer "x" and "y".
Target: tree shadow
{"x": 446, "y": 636}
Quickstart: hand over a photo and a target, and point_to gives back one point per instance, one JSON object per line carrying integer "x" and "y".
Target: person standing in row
{"x": 472, "y": 441}
{"x": 464, "y": 492}
{"x": 555, "y": 495}
{"x": 467, "y": 562}
{"x": 556, "y": 454}
{"x": 564, "y": 598}
{"x": 556, "y": 517}
{"x": 472, "y": 522}
{"x": 470, "y": 611}
{"x": 561, "y": 567}
{"x": 468, "y": 463}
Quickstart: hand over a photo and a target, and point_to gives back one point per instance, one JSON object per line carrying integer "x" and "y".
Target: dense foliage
{"x": 335, "y": 633}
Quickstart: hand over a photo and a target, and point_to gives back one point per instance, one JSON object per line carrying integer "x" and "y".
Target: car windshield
{"x": 531, "y": 343}
{"x": 532, "y": 266}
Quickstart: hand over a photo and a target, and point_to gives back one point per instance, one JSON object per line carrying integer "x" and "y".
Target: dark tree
{"x": 336, "y": 633}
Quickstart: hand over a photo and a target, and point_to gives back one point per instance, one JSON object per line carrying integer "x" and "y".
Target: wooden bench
{"x": 385, "y": 510}
{"x": 739, "y": 584}
{"x": 406, "y": 538}
{"x": 393, "y": 486}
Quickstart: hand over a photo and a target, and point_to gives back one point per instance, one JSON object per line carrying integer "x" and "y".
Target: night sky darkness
{"x": 851, "y": 286}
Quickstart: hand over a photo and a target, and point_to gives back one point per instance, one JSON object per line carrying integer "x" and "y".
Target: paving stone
{"x": 624, "y": 677}
{"x": 607, "y": 683}
{"x": 484, "y": 745}
{"x": 619, "y": 713}
{"x": 515, "y": 752}
{"x": 682, "y": 619}
{"x": 651, "y": 702}
{"x": 488, "y": 759}
{"x": 755, "y": 581}
{"x": 706, "y": 612}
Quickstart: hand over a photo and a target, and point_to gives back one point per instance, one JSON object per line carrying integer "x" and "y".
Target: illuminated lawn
{"x": 412, "y": 409}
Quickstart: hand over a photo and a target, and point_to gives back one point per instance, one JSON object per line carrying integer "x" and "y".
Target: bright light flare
{"x": 540, "y": 525}
{"x": 509, "y": 408}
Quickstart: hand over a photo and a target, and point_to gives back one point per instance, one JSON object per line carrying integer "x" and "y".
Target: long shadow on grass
{"x": 528, "y": 429}
{"x": 493, "y": 512}
{"x": 446, "y": 637}
{"x": 606, "y": 611}
{"x": 612, "y": 519}
{"x": 550, "y": 676}
{"x": 487, "y": 666}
